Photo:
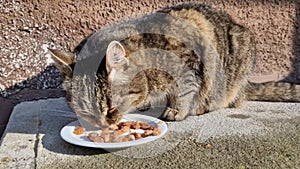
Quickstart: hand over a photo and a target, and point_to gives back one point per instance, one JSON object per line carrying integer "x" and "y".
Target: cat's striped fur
{"x": 216, "y": 79}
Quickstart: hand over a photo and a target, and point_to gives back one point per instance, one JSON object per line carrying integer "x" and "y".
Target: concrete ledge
{"x": 18, "y": 143}
{"x": 259, "y": 135}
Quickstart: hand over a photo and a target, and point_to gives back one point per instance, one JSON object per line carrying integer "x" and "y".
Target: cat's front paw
{"x": 172, "y": 115}
{"x": 144, "y": 106}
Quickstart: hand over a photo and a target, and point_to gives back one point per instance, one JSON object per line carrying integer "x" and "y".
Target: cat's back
{"x": 200, "y": 25}
{"x": 214, "y": 24}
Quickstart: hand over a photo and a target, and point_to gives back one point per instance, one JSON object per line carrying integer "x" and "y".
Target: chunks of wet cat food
{"x": 136, "y": 135}
{"x": 156, "y": 131}
{"x": 93, "y": 134}
{"x": 79, "y": 130}
{"x": 113, "y": 127}
{"x": 122, "y": 132}
{"x": 144, "y": 126}
{"x": 94, "y": 137}
{"x": 147, "y": 133}
{"x": 152, "y": 131}
{"x": 135, "y": 125}
{"x": 123, "y": 129}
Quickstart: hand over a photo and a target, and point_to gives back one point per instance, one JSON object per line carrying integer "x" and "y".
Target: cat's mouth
{"x": 113, "y": 116}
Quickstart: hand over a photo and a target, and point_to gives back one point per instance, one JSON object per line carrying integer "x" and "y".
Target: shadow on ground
{"x": 33, "y": 88}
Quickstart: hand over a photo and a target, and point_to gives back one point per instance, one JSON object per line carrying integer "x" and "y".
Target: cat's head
{"x": 116, "y": 95}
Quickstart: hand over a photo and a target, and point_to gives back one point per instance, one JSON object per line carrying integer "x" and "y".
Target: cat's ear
{"x": 115, "y": 56}
{"x": 64, "y": 61}
{"x": 63, "y": 57}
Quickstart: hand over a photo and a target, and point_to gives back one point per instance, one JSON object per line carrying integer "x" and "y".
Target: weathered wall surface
{"x": 28, "y": 27}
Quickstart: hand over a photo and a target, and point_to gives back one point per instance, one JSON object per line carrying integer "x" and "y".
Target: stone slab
{"x": 261, "y": 134}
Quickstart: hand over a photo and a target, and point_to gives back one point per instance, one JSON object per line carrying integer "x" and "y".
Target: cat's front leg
{"x": 170, "y": 114}
{"x": 184, "y": 109}
{"x": 173, "y": 114}
{"x": 179, "y": 107}
{"x": 144, "y": 106}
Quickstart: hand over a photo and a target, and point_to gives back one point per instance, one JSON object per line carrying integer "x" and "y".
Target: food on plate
{"x": 136, "y": 135}
{"x": 79, "y": 130}
{"x": 156, "y": 131}
{"x": 122, "y": 132}
{"x": 144, "y": 126}
{"x": 123, "y": 129}
{"x": 147, "y": 133}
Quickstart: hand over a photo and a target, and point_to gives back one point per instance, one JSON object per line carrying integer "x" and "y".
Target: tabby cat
{"x": 193, "y": 78}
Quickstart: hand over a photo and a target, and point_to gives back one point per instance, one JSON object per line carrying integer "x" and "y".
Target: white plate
{"x": 82, "y": 140}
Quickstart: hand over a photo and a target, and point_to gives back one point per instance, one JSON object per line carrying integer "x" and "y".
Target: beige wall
{"x": 27, "y": 26}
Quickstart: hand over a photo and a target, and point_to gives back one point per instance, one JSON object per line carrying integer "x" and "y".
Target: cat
{"x": 193, "y": 83}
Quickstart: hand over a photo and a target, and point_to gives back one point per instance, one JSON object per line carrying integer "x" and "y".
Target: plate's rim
{"x": 66, "y": 129}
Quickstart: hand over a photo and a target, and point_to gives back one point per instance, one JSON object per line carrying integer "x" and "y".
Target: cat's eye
{"x": 134, "y": 91}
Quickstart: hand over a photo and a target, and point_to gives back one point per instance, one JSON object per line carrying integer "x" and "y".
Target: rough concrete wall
{"x": 29, "y": 26}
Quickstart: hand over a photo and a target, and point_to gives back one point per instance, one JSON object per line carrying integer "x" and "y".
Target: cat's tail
{"x": 273, "y": 91}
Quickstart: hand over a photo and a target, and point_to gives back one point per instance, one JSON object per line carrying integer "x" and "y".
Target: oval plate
{"x": 81, "y": 140}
